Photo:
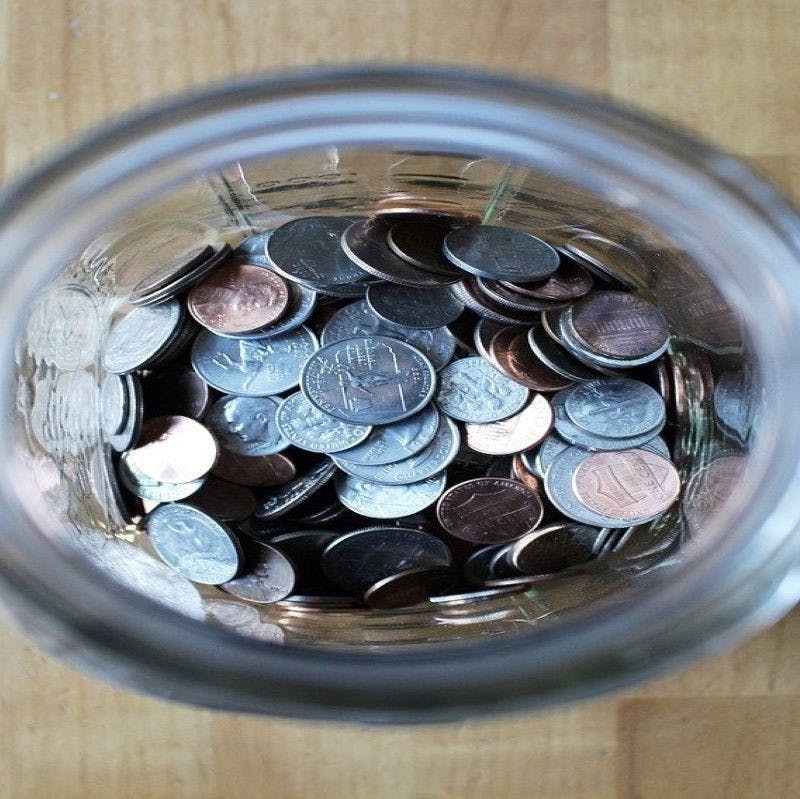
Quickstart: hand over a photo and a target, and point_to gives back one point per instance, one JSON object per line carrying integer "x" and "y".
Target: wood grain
{"x": 724, "y": 729}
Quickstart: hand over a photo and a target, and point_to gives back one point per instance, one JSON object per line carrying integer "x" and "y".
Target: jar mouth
{"x": 643, "y": 631}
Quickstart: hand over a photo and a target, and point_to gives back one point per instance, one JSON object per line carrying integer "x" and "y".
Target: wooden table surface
{"x": 725, "y": 728}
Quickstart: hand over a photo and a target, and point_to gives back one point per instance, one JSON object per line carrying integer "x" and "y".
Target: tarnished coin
{"x": 420, "y": 243}
{"x": 710, "y": 488}
{"x": 133, "y": 423}
{"x": 223, "y": 500}
{"x": 409, "y": 587}
{"x": 555, "y": 357}
{"x": 309, "y": 250}
{"x": 173, "y": 449}
{"x": 113, "y": 404}
{"x": 394, "y": 442}
{"x": 307, "y": 427}
{"x": 500, "y": 253}
{"x": 287, "y": 497}
{"x": 616, "y": 407}
{"x": 246, "y": 425}
{"x": 355, "y": 561}
{"x": 239, "y": 298}
{"x": 357, "y": 319}
{"x": 268, "y": 576}
{"x": 381, "y": 501}
{"x": 510, "y": 352}
{"x": 489, "y": 510}
{"x": 619, "y": 325}
{"x": 262, "y": 471}
{"x": 193, "y": 544}
{"x": 514, "y": 434}
{"x": 554, "y": 548}
{"x": 364, "y": 242}
{"x": 141, "y": 336}
{"x": 252, "y": 367}
{"x": 472, "y": 390}
{"x": 368, "y": 380}
{"x": 176, "y": 391}
{"x": 429, "y": 461}
{"x": 631, "y": 485}
{"x": 418, "y": 308}
{"x": 569, "y": 282}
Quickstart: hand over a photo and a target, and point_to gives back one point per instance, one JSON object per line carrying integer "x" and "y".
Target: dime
{"x": 420, "y": 243}
{"x": 514, "y": 434}
{"x": 289, "y": 496}
{"x": 252, "y": 367}
{"x": 472, "y": 390}
{"x": 239, "y": 298}
{"x": 489, "y": 510}
{"x": 510, "y": 352}
{"x": 307, "y": 427}
{"x": 368, "y": 380}
{"x": 176, "y": 391}
{"x": 555, "y": 357}
{"x": 263, "y": 471}
{"x": 569, "y": 282}
{"x": 193, "y": 544}
{"x": 113, "y": 404}
{"x": 499, "y": 293}
{"x": 554, "y": 548}
{"x": 381, "y": 501}
{"x": 246, "y": 425}
{"x": 409, "y": 587}
{"x": 632, "y": 485}
{"x": 500, "y": 253}
{"x": 268, "y": 577}
{"x": 223, "y": 500}
{"x": 418, "y": 308}
{"x": 173, "y": 449}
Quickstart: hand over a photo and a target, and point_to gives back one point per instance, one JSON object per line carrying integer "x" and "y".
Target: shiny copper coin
{"x": 631, "y": 485}
{"x": 519, "y": 432}
{"x": 520, "y": 472}
{"x": 260, "y": 471}
{"x": 173, "y": 449}
{"x": 511, "y": 354}
{"x": 569, "y": 282}
{"x": 239, "y": 298}
{"x": 409, "y": 587}
{"x": 489, "y": 510}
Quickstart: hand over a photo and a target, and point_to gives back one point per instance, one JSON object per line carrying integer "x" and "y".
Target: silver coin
{"x": 368, "y": 380}
{"x": 397, "y": 441}
{"x": 140, "y": 336}
{"x": 193, "y": 544}
{"x": 246, "y": 425}
{"x": 269, "y": 576}
{"x": 252, "y": 367}
{"x": 508, "y": 298}
{"x": 254, "y": 244}
{"x": 133, "y": 425}
{"x": 554, "y": 548}
{"x": 485, "y": 331}
{"x": 357, "y": 560}
{"x": 430, "y": 461}
{"x": 500, "y": 253}
{"x": 733, "y": 405}
{"x": 309, "y": 250}
{"x": 409, "y": 587}
{"x": 616, "y": 407}
{"x": 418, "y": 308}
{"x": 556, "y": 357}
{"x": 281, "y": 500}
{"x": 380, "y": 501}
{"x": 545, "y": 454}
{"x": 472, "y": 390}
{"x": 307, "y": 427}
{"x": 113, "y": 404}
{"x": 419, "y": 241}
{"x": 144, "y": 487}
{"x": 357, "y": 319}
{"x": 173, "y": 270}
{"x": 658, "y": 446}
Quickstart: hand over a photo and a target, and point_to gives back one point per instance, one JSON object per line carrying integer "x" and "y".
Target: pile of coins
{"x": 411, "y": 407}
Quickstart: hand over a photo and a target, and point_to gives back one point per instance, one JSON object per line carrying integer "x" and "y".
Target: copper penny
{"x": 526, "y": 477}
{"x": 511, "y": 354}
{"x": 569, "y": 282}
{"x": 629, "y": 485}
{"x": 519, "y": 432}
{"x": 256, "y": 471}
{"x": 616, "y": 324}
{"x": 239, "y": 298}
{"x": 489, "y": 510}
{"x": 173, "y": 449}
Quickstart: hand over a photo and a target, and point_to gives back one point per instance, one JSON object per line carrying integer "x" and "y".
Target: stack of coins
{"x": 379, "y": 412}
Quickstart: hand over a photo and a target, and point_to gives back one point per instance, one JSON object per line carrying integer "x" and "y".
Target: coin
{"x": 733, "y": 404}
{"x": 170, "y": 272}
{"x": 603, "y": 258}
{"x": 238, "y": 298}
{"x": 632, "y": 485}
{"x": 710, "y": 488}
{"x": 246, "y": 425}
{"x": 193, "y": 544}
{"x": 368, "y": 380}
{"x": 556, "y": 358}
{"x": 469, "y": 292}
{"x": 554, "y": 548}
{"x": 408, "y": 588}
{"x": 485, "y": 330}
{"x": 304, "y": 548}
{"x": 420, "y": 243}
{"x": 616, "y": 407}
{"x": 225, "y": 501}
{"x": 546, "y": 453}
{"x": 381, "y": 501}
{"x": 520, "y": 472}
{"x": 135, "y": 411}
{"x": 176, "y": 391}
{"x": 113, "y": 404}
{"x": 263, "y": 471}
{"x": 510, "y": 352}
{"x": 418, "y": 308}
{"x": 268, "y": 576}
{"x": 252, "y": 367}
{"x": 286, "y": 497}
{"x": 307, "y": 427}
{"x": 173, "y": 449}
{"x": 569, "y": 282}
{"x": 357, "y": 319}
{"x": 395, "y": 442}
{"x": 489, "y": 510}
{"x": 514, "y": 434}
{"x": 140, "y": 336}
{"x": 619, "y": 325}
{"x": 357, "y": 560}
{"x": 144, "y": 487}
{"x": 500, "y": 253}
{"x": 472, "y": 390}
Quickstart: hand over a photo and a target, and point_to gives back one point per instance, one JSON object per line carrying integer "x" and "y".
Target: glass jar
{"x": 696, "y": 230}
